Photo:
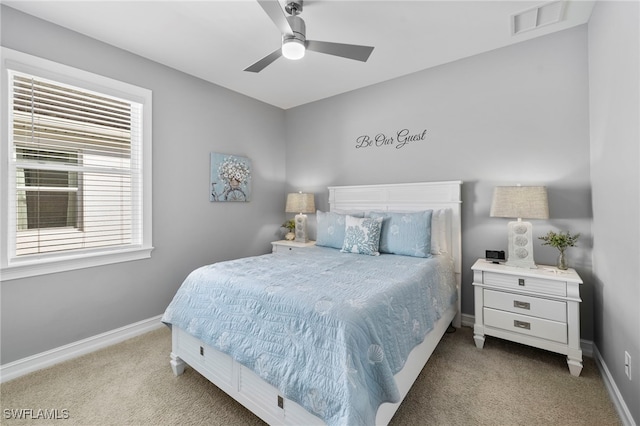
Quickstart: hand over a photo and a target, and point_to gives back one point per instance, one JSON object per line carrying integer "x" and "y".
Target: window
{"x": 45, "y": 198}
{"x": 77, "y": 186}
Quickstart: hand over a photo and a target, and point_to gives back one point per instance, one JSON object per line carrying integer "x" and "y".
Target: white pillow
{"x": 440, "y": 231}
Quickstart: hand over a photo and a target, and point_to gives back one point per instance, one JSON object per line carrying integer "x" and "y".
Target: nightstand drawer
{"x": 515, "y": 282}
{"x": 526, "y": 305}
{"x": 531, "y": 326}
{"x": 284, "y": 249}
{"x": 284, "y": 246}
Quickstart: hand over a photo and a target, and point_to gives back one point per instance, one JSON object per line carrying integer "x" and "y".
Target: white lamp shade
{"x": 522, "y": 202}
{"x": 299, "y": 202}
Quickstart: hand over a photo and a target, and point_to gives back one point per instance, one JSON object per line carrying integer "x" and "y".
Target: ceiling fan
{"x": 294, "y": 41}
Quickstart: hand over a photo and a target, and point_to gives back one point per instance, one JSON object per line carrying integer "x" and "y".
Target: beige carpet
{"x": 132, "y": 384}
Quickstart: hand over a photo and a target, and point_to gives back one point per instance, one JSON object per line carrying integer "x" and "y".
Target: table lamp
{"x": 528, "y": 202}
{"x": 301, "y": 203}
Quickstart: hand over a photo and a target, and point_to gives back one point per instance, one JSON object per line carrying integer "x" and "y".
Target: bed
{"x": 322, "y": 335}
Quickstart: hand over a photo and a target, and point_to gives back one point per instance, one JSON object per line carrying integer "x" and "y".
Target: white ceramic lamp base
{"x": 301, "y": 228}
{"x": 520, "y": 245}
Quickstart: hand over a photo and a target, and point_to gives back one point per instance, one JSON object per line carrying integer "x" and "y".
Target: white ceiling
{"x": 216, "y": 40}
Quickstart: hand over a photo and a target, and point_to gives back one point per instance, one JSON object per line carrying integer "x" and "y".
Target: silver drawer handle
{"x": 522, "y": 324}
{"x": 521, "y": 305}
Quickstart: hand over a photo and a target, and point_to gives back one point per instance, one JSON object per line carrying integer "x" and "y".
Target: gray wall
{"x": 513, "y": 115}
{"x": 191, "y": 118}
{"x": 615, "y": 179}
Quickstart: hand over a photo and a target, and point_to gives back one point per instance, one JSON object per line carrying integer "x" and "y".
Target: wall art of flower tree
{"x": 230, "y": 178}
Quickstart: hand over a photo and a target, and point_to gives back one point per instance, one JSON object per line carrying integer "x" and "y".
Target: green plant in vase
{"x": 291, "y": 226}
{"x": 561, "y": 241}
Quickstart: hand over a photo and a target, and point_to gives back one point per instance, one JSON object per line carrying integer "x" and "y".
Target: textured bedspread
{"x": 328, "y": 329}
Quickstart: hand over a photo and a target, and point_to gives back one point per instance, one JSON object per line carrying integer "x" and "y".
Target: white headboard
{"x": 408, "y": 197}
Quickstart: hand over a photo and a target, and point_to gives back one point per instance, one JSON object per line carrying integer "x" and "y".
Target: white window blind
{"x": 75, "y": 171}
{"x": 75, "y": 163}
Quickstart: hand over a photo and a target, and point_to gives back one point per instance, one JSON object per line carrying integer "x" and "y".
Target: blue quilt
{"x": 328, "y": 329}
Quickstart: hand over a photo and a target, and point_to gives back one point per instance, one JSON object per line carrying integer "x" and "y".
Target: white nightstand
{"x": 283, "y": 246}
{"x": 536, "y": 307}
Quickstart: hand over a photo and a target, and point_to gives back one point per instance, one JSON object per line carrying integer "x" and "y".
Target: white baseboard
{"x": 42, "y": 360}
{"x": 468, "y": 320}
{"x": 614, "y": 392}
{"x": 587, "y": 347}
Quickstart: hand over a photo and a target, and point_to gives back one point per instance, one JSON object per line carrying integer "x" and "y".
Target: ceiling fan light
{"x": 293, "y": 49}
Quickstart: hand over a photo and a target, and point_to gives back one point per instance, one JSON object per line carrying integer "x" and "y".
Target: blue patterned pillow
{"x": 330, "y": 229}
{"x": 408, "y": 234}
{"x": 362, "y": 235}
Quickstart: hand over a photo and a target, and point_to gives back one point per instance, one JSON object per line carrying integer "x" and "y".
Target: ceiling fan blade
{"x": 275, "y": 12}
{"x": 264, "y": 62}
{"x": 350, "y": 51}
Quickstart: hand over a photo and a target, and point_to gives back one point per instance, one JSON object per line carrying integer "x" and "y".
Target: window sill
{"x": 35, "y": 267}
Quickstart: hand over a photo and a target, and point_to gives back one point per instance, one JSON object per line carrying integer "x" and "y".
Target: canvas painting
{"x": 230, "y": 178}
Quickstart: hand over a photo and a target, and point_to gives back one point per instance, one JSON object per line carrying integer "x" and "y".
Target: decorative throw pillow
{"x": 408, "y": 234}
{"x": 330, "y": 228}
{"x": 362, "y": 235}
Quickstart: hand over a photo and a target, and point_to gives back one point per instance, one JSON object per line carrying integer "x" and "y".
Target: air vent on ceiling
{"x": 539, "y": 16}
